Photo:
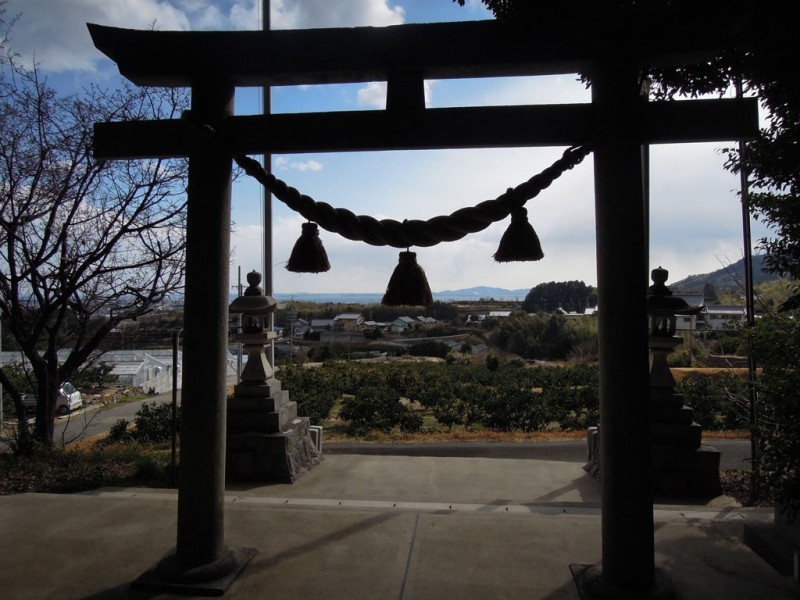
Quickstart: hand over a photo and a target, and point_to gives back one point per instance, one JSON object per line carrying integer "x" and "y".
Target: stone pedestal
{"x": 682, "y": 466}
{"x": 267, "y": 441}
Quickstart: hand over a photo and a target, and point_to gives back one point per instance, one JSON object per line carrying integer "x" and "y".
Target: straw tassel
{"x": 519, "y": 242}
{"x": 408, "y": 285}
{"x": 308, "y": 254}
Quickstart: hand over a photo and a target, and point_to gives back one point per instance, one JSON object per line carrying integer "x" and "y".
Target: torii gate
{"x": 618, "y": 122}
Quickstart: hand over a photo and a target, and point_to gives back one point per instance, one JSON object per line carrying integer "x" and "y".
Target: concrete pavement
{"x": 375, "y": 527}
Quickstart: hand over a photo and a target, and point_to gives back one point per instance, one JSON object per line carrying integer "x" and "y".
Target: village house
{"x": 322, "y": 324}
{"x": 401, "y": 324}
{"x": 348, "y": 322}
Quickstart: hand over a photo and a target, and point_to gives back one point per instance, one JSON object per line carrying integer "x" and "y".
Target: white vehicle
{"x": 68, "y": 400}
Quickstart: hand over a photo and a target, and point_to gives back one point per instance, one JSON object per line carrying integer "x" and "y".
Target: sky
{"x": 695, "y": 219}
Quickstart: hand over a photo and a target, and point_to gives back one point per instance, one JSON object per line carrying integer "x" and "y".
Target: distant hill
{"x": 726, "y": 277}
{"x": 473, "y": 293}
{"x": 483, "y": 292}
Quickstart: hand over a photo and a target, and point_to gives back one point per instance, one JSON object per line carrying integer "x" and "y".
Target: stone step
{"x": 264, "y": 404}
{"x": 242, "y": 421}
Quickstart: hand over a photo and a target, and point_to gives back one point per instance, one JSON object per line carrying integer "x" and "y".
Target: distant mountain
{"x": 483, "y": 292}
{"x": 725, "y": 278}
{"x": 473, "y": 293}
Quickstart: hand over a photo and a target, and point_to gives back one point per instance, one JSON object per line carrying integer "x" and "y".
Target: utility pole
{"x": 266, "y": 162}
{"x": 750, "y": 307}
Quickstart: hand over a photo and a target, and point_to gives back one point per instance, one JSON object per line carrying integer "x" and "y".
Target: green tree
{"x": 776, "y": 344}
{"x": 570, "y": 296}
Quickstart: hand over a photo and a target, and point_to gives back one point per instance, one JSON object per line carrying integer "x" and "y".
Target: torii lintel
{"x": 406, "y": 55}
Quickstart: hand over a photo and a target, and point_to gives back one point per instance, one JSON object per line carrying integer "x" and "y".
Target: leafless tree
{"x": 84, "y": 244}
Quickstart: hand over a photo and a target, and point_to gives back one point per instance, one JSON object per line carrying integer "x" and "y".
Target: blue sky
{"x": 695, "y": 211}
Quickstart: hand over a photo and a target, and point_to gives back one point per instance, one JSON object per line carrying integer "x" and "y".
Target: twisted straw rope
{"x": 388, "y": 232}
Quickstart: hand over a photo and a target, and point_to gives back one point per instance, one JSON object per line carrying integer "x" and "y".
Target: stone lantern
{"x": 682, "y": 466}
{"x": 266, "y": 440}
{"x": 255, "y": 309}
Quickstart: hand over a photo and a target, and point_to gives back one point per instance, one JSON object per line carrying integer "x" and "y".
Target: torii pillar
{"x": 202, "y": 563}
{"x": 625, "y": 454}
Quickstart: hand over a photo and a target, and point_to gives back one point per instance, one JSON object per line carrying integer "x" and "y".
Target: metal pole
{"x": 750, "y": 307}
{"x": 266, "y": 162}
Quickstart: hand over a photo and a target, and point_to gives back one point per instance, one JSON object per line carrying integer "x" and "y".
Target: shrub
{"x": 776, "y": 344}
{"x": 429, "y": 348}
{"x": 315, "y": 403}
{"x": 152, "y": 425}
{"x": 510, "y": 408}
{"x": 377, "y": 407}
{"x": 719, "y": 400}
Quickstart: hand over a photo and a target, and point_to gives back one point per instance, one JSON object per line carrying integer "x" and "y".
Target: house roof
{"x": 347, "y": 317}
{"x": 321, "y": 322}
{"x": 727, "y": 309}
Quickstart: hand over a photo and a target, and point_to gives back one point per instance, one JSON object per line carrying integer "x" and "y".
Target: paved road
{"x": 95, "y": 419}
{"x": 735, "y": 454}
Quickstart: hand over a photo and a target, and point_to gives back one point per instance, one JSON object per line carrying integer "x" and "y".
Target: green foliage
{"x": 378, "y": 407}
{"x": 719, "y": 400}
{"x": 776, "y": 344}
{"x": 539, "y": 336}
{"x": 152, "y": 425}
{"x": 91, "y": 376}
{"x": 120, "y": 433}
{"x": 429, "y": 348}
{"x": 311, "y": 390}
{"x": 492, "y": 361}
{"x": 571, "y": 296}
{"x": 387, "y": 397}
{"x": 510, "y": 408}
{"x": 450, "y": 411}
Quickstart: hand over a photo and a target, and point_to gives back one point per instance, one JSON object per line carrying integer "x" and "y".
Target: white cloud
{"x": 283, "y": 164}
{"x": 55, "y": 32}
{"x": 309, "y": 14}
{"x": 373, "y": 95}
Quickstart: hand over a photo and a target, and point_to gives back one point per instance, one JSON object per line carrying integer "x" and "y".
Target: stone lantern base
{"x": 266, "y": 440}
{"x": 682, "y": 465}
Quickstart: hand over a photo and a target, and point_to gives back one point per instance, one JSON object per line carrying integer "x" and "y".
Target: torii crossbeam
{"x": 617, "y": 122}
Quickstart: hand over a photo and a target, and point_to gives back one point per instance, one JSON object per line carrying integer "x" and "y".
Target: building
{"x": 721, "y": 316}
{"x": 348, "y": 322}
{"x": 322, "y": 324}
{"x": 402, "y": 324}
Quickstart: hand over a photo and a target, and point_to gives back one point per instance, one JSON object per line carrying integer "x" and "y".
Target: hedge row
{"x": 380, "y": 396}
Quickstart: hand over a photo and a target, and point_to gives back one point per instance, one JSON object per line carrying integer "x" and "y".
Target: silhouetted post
{"x": 622, "y": 280}
{"x": 201, "y": 485}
